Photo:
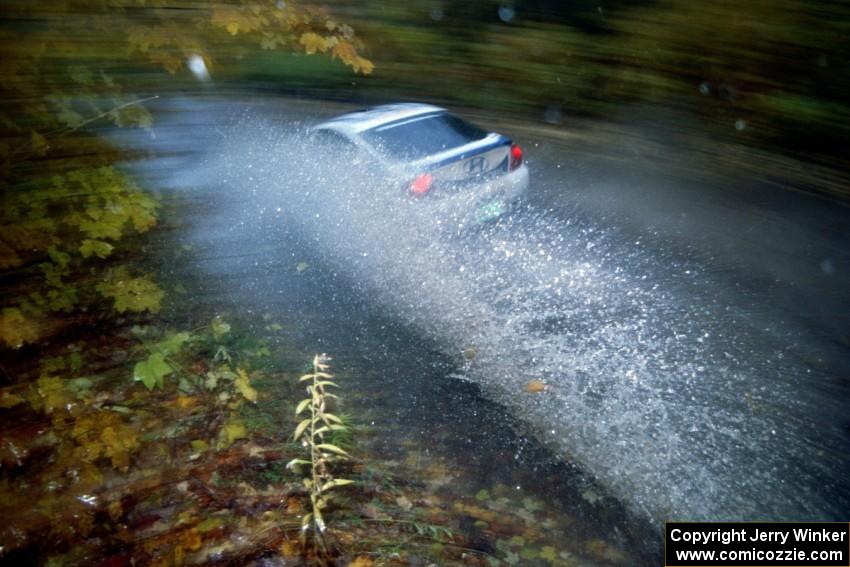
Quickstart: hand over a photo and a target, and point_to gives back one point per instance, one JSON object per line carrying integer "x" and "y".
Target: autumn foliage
{"x": 68, "y": 69}
{"x": 91, "y": 381}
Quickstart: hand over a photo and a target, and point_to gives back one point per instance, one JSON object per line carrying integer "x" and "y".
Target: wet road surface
{"x": 690, "y": 324}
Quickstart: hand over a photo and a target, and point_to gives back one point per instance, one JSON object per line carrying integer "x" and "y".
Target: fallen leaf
{"x": 243, "y": 385}
{"x": 294, "y": 506}
{"x": 185, "y": 402}
{"x": 290, "y": 549}
{"x": 209, "y": 525}
{"x": 234, "y": 429}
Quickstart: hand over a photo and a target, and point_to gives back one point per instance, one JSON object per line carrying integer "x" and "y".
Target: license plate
{"x": 489, "y": 211}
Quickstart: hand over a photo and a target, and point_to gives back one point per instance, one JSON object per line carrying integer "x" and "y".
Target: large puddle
{"x": 681, "y": 397}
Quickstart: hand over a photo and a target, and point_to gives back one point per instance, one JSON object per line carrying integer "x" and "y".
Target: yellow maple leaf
{"x": 243, "y": 385}
{"x": 119, "y": 442}
{"x": 236, "y": 20}
{"x": 313, "y": 43}
{"x": 362, "y": 65}
{"x": 234, "y": 429}
{"x": 345, "y": 51}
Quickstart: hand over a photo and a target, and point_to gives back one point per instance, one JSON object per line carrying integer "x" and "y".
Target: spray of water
{"x": 659, "y": 379}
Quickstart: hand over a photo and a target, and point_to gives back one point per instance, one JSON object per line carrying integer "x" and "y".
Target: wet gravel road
{"x": 687, "y": 309}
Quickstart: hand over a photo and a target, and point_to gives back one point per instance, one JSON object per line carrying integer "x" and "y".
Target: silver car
{"x": 438, "y": 156}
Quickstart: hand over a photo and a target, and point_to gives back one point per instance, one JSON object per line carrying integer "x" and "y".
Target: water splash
{"x": 685, "y": 399}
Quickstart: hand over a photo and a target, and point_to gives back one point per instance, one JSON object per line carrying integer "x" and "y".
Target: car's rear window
{"x": 421, "y": 136}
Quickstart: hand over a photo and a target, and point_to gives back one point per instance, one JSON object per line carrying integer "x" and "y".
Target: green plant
{"x": 152, "y": 371}
{"x": 311, "y": 432}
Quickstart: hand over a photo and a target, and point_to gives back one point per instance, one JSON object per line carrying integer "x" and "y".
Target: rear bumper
{"x": 509, "y": 187}
{"x": 481, "y": 201}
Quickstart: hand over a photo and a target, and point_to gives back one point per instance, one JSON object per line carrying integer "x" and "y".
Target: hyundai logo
{"x": 476, "y": 165}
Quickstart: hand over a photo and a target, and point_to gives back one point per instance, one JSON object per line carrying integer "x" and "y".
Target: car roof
{"x": 355, "y": 122}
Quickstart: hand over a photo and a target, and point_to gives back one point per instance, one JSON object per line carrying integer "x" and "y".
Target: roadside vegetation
{"x": 123, "y": 438}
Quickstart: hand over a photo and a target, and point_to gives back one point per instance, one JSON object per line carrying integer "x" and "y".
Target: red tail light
{"x": 516, "y": 157}
{"x": 421, "y": 185}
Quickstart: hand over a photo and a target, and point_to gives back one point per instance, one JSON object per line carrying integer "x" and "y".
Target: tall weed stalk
{"x": 310, "y": 432}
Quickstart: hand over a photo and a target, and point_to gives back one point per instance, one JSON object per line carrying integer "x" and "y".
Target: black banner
{"x": 757, "y": 544}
